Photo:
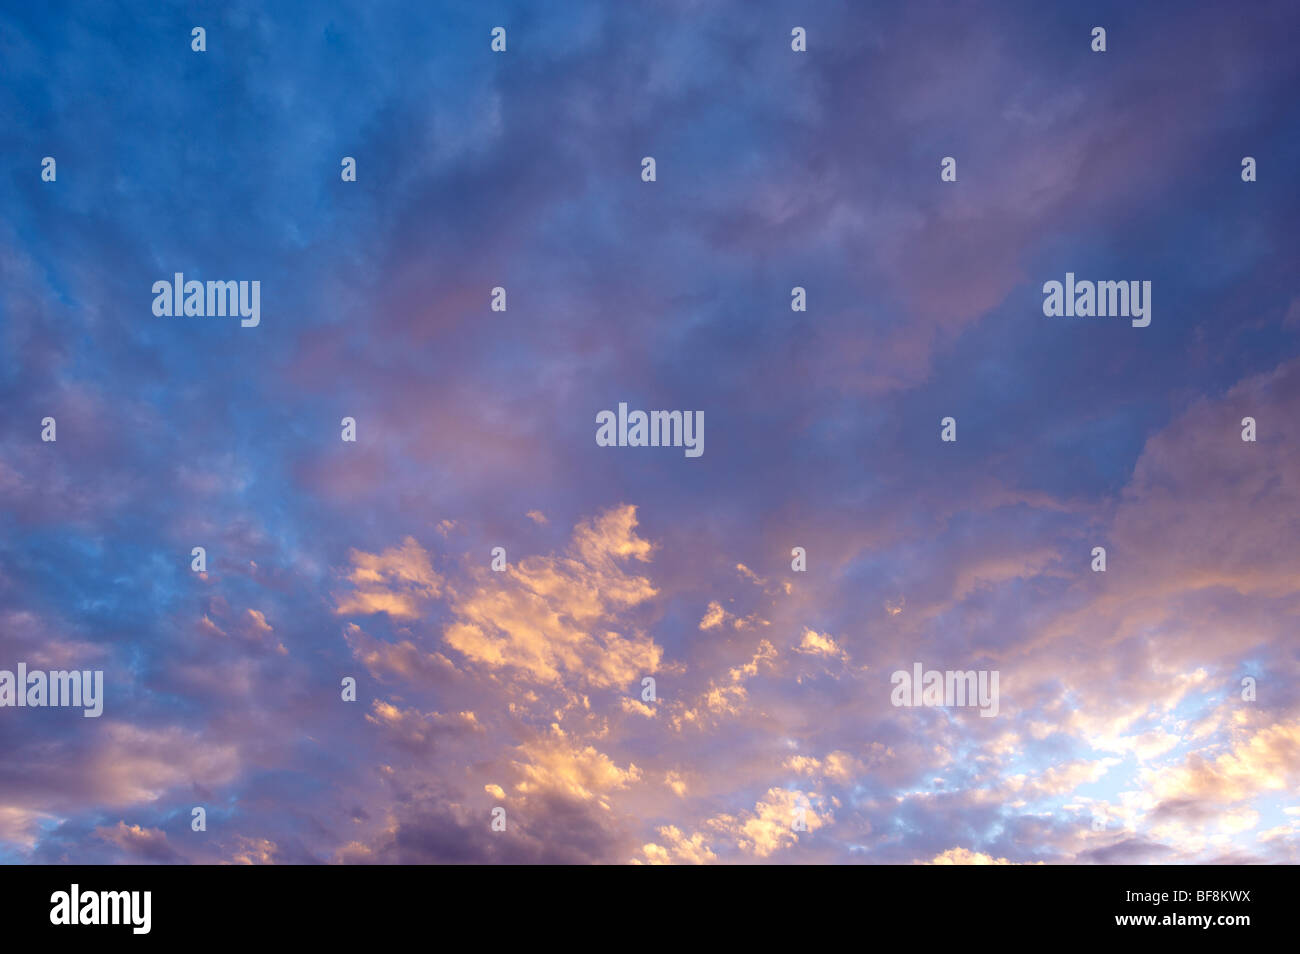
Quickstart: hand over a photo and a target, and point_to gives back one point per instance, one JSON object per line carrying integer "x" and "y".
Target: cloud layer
{"x": 648, "y": 679}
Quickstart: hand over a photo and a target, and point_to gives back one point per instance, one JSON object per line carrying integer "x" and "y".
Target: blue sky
{"x": 523, "y": 689}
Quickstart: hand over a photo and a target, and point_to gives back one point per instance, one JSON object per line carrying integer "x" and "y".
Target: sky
{"x": 1147, "y": 714}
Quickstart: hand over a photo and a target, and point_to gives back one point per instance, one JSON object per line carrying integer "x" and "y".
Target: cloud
{"x": 400, "y": 581}
{"x": 20, "y": 826}
{"x": 771, "y": 825}
{"x": 142, "y": 844}
{"x": 714, "y": 616}
{"x": 549, "y": 617}
{"x": 254, "y": 851}
{"x": 964, "y": 856}
{"x": 553, "y": 763}
{"x": 416, "y": 731}
{"x": 1266, "y": 760}
{"x": 820, "y": 644}
{"x": 679, "y": 849}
